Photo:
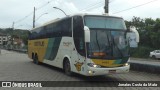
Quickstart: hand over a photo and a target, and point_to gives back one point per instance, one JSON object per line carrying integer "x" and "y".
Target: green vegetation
{"x": 23, "y": 34}
{"x": 149, "y": 31}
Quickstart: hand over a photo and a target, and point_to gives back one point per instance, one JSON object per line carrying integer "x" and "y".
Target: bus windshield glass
{"x": 108, "y": 39}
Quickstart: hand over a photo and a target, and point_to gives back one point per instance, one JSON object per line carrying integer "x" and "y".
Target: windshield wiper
{"x": 110, "y": 45}
{"x": 97, "y": 41}
{"x": 117, "y": 47}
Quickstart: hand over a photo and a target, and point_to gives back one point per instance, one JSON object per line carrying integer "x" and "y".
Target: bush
{"x": 141, "y": 52}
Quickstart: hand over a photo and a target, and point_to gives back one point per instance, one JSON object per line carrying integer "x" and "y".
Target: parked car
{"x": 155, "y": 54}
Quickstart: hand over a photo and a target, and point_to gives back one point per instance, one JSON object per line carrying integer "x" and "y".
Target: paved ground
{"x": 18, "y": 67}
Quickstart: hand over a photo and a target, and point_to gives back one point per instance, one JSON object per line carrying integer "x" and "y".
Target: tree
{"x": 149, "y": 30}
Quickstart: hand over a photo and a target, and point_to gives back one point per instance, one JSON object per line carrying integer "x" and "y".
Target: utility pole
{"x": 13, "y": 25}
{"x": 34, "y": 17}
{"x": 11, "y": 44}
{"x": 106, "y": 8}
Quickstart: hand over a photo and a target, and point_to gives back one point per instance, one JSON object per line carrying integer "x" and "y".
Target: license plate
{"x": 112, "y": 71}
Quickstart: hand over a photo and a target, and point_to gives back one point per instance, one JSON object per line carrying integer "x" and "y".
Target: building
{"x": 3, "y": 39}
{"x": 17, "y": 42}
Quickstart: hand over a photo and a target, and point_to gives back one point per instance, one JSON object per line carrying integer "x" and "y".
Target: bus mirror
{"x": 133, "y": 37}
{"x": 133, "y": 29}
{"x": 87, "y": 34}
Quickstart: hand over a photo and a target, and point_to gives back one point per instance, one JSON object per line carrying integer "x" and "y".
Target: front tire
{"x": 67, "y": 68}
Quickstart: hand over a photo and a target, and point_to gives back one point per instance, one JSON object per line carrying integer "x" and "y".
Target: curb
{"x": 145, "y": 67}
{"x": 18, "y": 50}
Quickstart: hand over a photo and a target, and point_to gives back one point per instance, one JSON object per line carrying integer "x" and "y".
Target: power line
{"x": 32, "y": 12}
{"x": 44, "y": 5}
{"x": 96, "y": 6}
{"x": 24, "y": 17}
{"x": 135, "y": 6}
{"x": 92, "y": 6}
{"x": 87, "y": 8}
{"x": 112, "y": 1}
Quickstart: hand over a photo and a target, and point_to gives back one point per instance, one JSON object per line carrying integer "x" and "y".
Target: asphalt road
{"x": 18, "y": 67}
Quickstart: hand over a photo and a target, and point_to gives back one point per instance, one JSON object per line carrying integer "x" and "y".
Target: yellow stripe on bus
{"x": 38, "y": 46}
{"x": 105, "y": 63}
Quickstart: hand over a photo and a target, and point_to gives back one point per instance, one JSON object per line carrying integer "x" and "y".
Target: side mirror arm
{"x": 86, "y": 34}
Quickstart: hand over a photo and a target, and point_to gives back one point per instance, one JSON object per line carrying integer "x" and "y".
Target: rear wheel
{"x": 35, "y": 60}
{"x": 67, "y": 68}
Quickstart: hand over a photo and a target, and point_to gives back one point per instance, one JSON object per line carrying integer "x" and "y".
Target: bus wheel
{"x": 36, "y": 59}
{"x": 33, "y": 57}
{"x": 67, "y": 68}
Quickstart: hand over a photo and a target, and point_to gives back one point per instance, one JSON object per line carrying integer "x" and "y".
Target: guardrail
{"x": 145, "y": 67}
{"x": 18, "y": 50}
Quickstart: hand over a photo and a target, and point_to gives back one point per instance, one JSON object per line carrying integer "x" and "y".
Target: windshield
{"x": 107, "y": 37}
{"x": 105, "y": 22}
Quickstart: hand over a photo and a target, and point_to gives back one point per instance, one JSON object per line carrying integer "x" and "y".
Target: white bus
{"x": 86, "y": 44}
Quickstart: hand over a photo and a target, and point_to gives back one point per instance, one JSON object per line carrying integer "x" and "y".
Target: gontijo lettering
{"x": 39, "y": 43}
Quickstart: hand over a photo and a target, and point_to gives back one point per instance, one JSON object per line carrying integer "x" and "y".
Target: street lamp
{"x": 41, "y": 16}
{"x": 60, "y": 9}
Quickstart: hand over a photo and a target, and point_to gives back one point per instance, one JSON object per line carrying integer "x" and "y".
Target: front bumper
{"x": 105, "y": 71}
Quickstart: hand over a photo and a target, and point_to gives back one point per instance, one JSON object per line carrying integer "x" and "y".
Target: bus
{"x": 86, "y": 44}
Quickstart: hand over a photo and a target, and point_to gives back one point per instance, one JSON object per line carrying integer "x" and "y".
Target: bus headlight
{"x": 91, "y": 72}
{"x": 93, "y": 65}
{"x": 126, "y": 64}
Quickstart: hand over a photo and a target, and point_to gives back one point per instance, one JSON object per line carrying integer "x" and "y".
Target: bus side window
{"x": 30, "y": 35}
{"x": 34, "y": 35}
{"x": 78, "y": 34}
{"x": 49, "y": 31}
{"x": 57, "y": 30}
{"x": 42, "y": 33}
{"x": 66, "y": 27}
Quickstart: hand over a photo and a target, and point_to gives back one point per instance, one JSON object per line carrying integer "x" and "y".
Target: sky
{"x": 21, "y": 11}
